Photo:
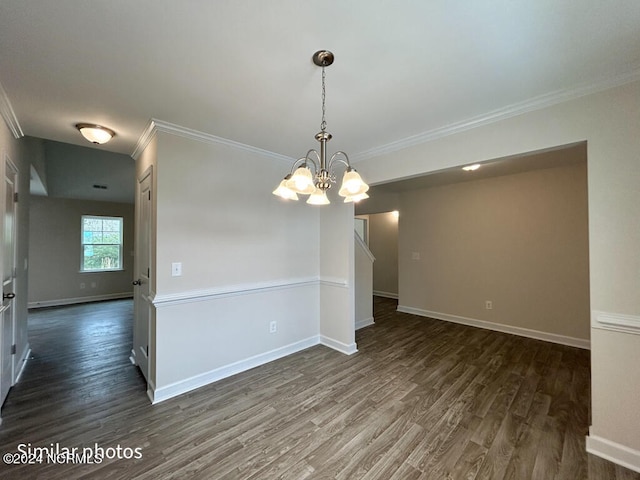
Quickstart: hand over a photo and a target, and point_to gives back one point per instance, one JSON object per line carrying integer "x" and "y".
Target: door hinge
{"x": 13, "y": 349}
{"x": 147, "y": 351}
{"x": 147, "y": 272}
{"x": 149, "y": 194}
{"x": 15, "y": 197}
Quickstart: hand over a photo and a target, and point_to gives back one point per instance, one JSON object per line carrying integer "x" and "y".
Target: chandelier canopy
{"x": 302, "y": 181}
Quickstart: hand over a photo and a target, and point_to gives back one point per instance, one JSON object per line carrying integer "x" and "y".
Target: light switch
{"x": 176, "y": 269}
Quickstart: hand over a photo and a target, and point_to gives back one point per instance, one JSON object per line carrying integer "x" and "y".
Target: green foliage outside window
{"x": 101, "y": 243}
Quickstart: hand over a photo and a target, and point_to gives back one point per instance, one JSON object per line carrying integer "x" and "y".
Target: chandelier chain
{"x": 323, "y": 125}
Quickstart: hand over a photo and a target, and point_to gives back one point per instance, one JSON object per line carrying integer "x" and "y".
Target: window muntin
{"x": 101, "y": 248}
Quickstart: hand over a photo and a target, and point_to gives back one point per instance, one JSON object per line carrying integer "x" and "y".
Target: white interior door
{"x": 142, "y": 302}
{"x": 7, "y": 330}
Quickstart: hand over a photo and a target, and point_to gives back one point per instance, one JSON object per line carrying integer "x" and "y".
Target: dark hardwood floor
{"x": 422, "y": 399}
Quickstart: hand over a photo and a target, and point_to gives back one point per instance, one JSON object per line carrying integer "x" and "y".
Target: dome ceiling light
{"x": 95, "y": 133}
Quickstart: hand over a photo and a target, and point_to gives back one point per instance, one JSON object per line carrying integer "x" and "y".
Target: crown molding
{"x": 156, "y": 125}
{"x": 145, "y": 139}
{"x": 6, "y": 110}
{"x": 536, "y": 103}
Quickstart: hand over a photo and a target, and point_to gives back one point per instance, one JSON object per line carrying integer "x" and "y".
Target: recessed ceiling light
{"x": 471, "y": 168}
{"x": 95, "y": 133}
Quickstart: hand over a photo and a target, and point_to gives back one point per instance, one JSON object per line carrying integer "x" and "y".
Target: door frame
{"x": 135, "y": 355}
{"x": 9, "y": 168}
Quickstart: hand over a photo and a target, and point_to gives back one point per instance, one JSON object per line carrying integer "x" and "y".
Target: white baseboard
{"x": 164, "y": 393}
{"x": 75, "y": 300}
{"x": 151, "y": 388}
{"x": 379, "y": 293}
{"x": 183, "y": 386}
{"x": 364, "y": 323}
{"x": 498, "y": 327}
{"x": 339, "y": 346}
{"x": 23, "y": 361}
{"x": 614, "y": 452}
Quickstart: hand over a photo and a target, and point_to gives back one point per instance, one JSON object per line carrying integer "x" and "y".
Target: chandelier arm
{"x": 307, "y": 157}
{"x": 334, "y": 158}
{"x": 297, "y": 163}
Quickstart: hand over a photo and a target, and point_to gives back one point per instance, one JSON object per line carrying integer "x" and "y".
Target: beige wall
{"x": 383, "y": 243}
{"x": 520, "y": 241}
{"x": 609, "y": 122}
{"x": 54, "y": 253}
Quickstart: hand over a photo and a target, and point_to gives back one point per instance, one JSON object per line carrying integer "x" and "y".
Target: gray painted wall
{"x": 383, "y": 243}
{"x": 54, "y": 253}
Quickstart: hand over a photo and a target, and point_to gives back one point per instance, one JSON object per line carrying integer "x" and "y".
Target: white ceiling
{"x": 242, "y": 69}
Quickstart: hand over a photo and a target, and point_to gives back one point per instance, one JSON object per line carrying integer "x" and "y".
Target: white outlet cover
{"x": 176, "y": 269}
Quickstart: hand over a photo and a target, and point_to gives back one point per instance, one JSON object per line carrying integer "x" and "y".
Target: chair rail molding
{"x": 616, "y": 322}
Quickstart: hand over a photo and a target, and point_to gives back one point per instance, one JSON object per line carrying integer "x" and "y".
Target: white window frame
{"x": 82, "y": 244}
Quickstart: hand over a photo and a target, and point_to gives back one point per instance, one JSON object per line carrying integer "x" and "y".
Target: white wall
{"x": 609, "y": 121}
{"x": 248, "y": 258}
{"x": 337, "y": 274}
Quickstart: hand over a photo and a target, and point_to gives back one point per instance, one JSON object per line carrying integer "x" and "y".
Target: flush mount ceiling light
{"x": 95, "y": 133}
{"x": 471, "y": 168}
{"x": 301, "y": 181}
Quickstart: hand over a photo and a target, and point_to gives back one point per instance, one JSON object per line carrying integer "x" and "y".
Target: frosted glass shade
{"x": 318, "y": 198}
{"x": 301, "y": 181}
{"x": 355, "y": 198}
{"x": 284, "y": 192}
{"x": 95, "y": 133}
{"x": 352, "y": 184}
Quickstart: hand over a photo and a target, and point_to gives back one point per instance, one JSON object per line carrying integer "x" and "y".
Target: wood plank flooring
{"x": 422, "y": 399}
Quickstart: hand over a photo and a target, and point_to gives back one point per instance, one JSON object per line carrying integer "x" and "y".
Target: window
{"x": 101, "y": 244}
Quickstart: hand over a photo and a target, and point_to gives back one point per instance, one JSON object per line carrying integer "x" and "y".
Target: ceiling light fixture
{"x": 471, "y": 168}
{"x": 301, "y": 181}
{"x": 95, "y": 133}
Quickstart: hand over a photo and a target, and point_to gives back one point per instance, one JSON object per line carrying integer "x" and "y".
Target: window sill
{"x": 103, "y": 271}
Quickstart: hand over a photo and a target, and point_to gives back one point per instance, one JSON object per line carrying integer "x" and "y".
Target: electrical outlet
{"x": 488, "y": 305}
{"x": 82, "y": 286}
{"x": 415, "y": 255}
{"x": 273, "y": 327}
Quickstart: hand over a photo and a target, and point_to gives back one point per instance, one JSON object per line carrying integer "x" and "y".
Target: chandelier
{"x": 301, "y": 181}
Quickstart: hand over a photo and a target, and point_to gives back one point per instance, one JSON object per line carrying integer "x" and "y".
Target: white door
{"x": 142, "y": 302}
{"x": 7, "y": 332}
